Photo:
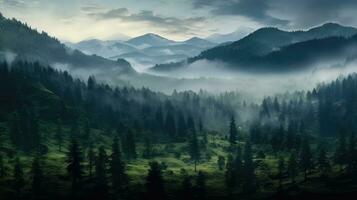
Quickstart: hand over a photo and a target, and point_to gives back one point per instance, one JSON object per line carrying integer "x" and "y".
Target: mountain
{"x": 149, "y": 40}
{"x": 144, "y": 51}
{"x": 252, "y": 49}
{"x": 199, "y": 42}
{"x": 229, "y": 37}
{"x": 105, "y": 49}
{"x": 24, "y": 43}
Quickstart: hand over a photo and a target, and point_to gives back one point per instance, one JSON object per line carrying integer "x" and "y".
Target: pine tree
{"x": 59, "y": 135}
{"x": 100, "y": 172}
{"x": 155, "y": 186}
{"x": 233, "y": 132}
{"x": 19, "y": 180}
{"x": 181, "y": 126}
{"x": 117, "y": 168}
{"x": 130, "y": 146}
{"x": 37, "y": 175}
{"x": 230, "y": 175}
{"x": 306, "y": 162}
{"x": 249, "y": 169}
{"x": 194, "y": 149}
{"x": 292, "y": 166}
{"x": 201, "y": 189}
{"x": 238, "y": 167}
{"x": 281, "y": 171}
{"x": 221, "y": 163}
{"x": 170, "y": 126}
{"x": 323, "y": 163}
{"x": 191, "y": 125}
{"x": 74, "y": 164}
{"x": 91, "y": 159}
{"x": 341, "y": 150}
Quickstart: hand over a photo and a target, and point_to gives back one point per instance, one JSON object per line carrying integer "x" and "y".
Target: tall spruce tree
{"x": 230, "y": 175}
{"x": 249, "y": 184}
{"x": 101, "y": 172}
{"x": 194, "y": 149}
{"x": 293, "y": 166}
{"x": 306, "y": 162}
{"x": 117, "y": 168}
{"x": 91, "y": 159}
{"x": 341, "y": 150}
{"x": 233, "y": 132}
{"x": 155, "y": 185}
{"x": 281, "y": 171}
{"x": 323, "y": 163}
{"x": 74, "y": 164}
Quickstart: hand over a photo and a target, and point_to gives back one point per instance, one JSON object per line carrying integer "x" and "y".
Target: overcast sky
{"x": 75, "y": 20}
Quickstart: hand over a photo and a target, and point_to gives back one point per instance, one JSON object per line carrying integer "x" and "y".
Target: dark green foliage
{"x": 37, "y": 176}
{"x": 91, "y": 159}
{"x": 323, "y": 163}
{"x": 2, "y": 167}
{"x": 340, "y": 156}
{"x": 59, "y": 135}
{"x": 194, "y": 149}
{"x": 155, "y": 185}
{"x": 148, "y": 149}
{"x": 293, "y": 167}
{"x": 233, "y": 132}
{"x": 101, "y": 180}
{"x": 221, "y": 162}
{"x": 306, "y": 162}
{"x": 187, "y": 189}
{"x": 117, "y": 168}
{"x": 230, "y": 175}
{"x": 129, "y": 145}
{"x": 18, "y": 177}
{"x": 249, "y": 178}
{"x": 74, "y": 164}
{"x": 201, "y": 188}
{"x": 281, "y": 171}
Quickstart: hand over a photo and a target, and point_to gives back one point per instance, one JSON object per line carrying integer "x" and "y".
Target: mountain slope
{"x": 149, "y": 40}
{"x": 27, "y": 44}
{"x": 251, "y": 49}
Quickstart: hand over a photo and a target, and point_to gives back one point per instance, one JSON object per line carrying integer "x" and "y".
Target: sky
{"x": 76, "y": 20}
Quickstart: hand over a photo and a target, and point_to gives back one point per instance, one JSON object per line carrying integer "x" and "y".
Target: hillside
{"x": 254, "y": 49}
{"x": 27, "y": 44}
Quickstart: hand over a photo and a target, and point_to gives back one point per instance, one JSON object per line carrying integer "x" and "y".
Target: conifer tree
{"x": 230, "y": 175}
{"x": 281, "y": 171}
{"x": 37, "y": 175}
{"x": 306, "y": 162}
{"x": 194, "y": 149}
{"x": 155, "y": 185}
{"x": 233, "y": 132}
{"x": 341, "y": 150}
{"x": 323, "y": 163}
{"x": 100, "y": 172}
{"x": 19, "y": 180}
{"x": 91, "y": 159}
{"x": 200, "y": 188}
{"x": 292, "y": 166}
{"x": 117, "y": 168}
{"x": 249, "y": 169}
{"x": 74, "y": 164}
{"x": 59, "y": 135}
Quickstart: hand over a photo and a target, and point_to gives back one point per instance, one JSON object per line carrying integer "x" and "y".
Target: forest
{"x": 61, "y": 137}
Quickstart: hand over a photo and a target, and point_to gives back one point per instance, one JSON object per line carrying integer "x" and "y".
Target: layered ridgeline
{"x": 146, "y": 50}
{"x": 270, "y": 49}
{"x": 20, "y": 42}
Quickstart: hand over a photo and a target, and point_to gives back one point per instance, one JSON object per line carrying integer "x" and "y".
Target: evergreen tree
{"x": 59, "y": 135}
{"x": 249, "y": 184}
{"x": 91, "y": 159}
{"x": 37, "y": 175}
{"x": 191, "y": 125}
{"x": 230, "y": 175}
{"x": 19, "y": 180}
{"x": 15, "y": 132}
{"x": 281, "y": 171}
{"x": 181, "y": 126}
{"x": 186, "y": 188}
{"x": 100, "y": 172}
{"x": 147, "y": 148}
{"x": 194, "y": 149}
{"x": 130, "y": 146}
{"x": 117, "y": 168}
{"x": 221, "y": 162}
{"x": 352, "y": 154}
{"x": 233, "y": 132}
{"x": 341, "y": 150}
{"x": 201, "y": 189}
{"x": 292, "y": 166}
{"x": 323, "y": 163}
{"x": 155, "y": 186}
{"x": 170, "y": 126}
{"x": 306, "y": 162}
{"x": 238, "y": 167}
{"x": 74, "y": 164}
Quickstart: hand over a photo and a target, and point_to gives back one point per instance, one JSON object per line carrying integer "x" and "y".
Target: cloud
{"x": 292, "y": 13}
{"x": 172, "y": 25}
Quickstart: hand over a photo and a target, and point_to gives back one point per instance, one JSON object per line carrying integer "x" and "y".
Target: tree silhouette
{"x": 74, "y": 164}
{"x": 155, "y": 186}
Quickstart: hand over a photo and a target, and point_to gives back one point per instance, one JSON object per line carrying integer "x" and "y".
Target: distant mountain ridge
{"x": 254, "y": 49}
{"x": 146, "y": 50}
